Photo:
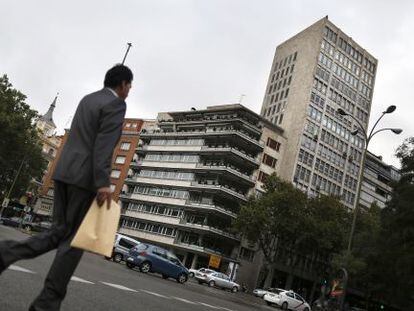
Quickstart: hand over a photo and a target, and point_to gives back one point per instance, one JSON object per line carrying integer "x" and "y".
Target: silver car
{"x": 218, "y": 279}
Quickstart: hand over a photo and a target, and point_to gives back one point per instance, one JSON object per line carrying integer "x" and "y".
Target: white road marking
{"x": 155, "y": 294}
{"x": 227, "y": 309}
{"x": 185, "y": 300}
{"x": 207, "y": 305}
{"x": 20, "y": 269}
{"x": 120, "y": 287}
{"x": 76, "y": 279}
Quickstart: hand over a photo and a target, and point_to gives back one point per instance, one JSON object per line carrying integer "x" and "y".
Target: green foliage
{"x": 392, "y": 265}
{"x": 286, "y": 223}
{"x": 18, "y": 140}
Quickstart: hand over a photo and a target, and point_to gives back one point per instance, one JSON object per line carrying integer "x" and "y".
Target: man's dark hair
{"x": 116, "y": 75}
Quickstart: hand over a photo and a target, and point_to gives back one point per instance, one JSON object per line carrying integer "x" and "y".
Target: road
{"x": 99, "y": 284}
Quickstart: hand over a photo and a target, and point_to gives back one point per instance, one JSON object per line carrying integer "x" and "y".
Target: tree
{"x": 19, "y": 141}
{"x": 289, "y": 227}
{"x": 392, "y": 266}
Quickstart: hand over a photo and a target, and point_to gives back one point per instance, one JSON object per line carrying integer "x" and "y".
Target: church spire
{"x": 48, "y": 116}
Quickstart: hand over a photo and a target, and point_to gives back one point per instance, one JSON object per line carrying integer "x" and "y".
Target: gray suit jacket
{"x": 86, "y": 158}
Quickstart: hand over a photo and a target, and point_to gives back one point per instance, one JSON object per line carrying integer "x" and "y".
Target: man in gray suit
{"x": 82, "y": 173}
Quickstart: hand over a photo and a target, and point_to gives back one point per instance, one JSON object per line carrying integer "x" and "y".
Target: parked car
{"x": 287, "y": 300}
{"x": 40, "y": 226}
{"x": 217, "y": 279}
{"x": 151, "y": 258}
{"x": 261, "y": 292}
{"x": 11, "y": 222}
{"x": 193, "y": 272}
{"x": 122, "y": 246}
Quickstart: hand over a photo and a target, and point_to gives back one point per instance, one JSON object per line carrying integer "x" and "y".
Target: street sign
{"x": 214, "y": 261}
{"x": 5, "y": 202}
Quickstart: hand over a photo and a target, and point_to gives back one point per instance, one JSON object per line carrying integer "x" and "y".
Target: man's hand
{"x": 104, "y": 194}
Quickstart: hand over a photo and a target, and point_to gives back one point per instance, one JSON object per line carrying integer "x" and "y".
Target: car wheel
{"x": 234, "y": 289}
{"x": 306, "y": 309}
{"x": 130, "y": 265}
{"x": 268, "y": 303}
{"x": 191, "y": 275}
{"x": 182, "y": 278}
{"x": 145, "y": 267}
{"x": 118, "y": 258}
{"x": 284, "y": 306}
{"x": 27, "y": 229}
{"x": 211, "y": 283}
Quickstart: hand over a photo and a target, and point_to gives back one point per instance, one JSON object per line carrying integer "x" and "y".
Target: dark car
{"x": 151, "y": 258}
{"x": 11, "y": 222}
{"x": 38, "y": 226}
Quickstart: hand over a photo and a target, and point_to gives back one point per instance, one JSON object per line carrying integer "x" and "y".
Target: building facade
{"x": 51, "y": 144}
{"x": 312, "y": 75}
{"x": 377, "y": 183}
{"x": 192, "y": 173}
{"x": 123, "y": 154}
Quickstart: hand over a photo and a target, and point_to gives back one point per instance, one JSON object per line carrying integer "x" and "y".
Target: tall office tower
{"x": 313, "y": 74}
{"x": 192, "y": 172}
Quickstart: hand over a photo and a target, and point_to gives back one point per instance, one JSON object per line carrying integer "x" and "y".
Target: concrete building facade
{"x": 123, "y": 154}
{"x": 377, "y": 183}
{"x": 312, "y": 75}
{"x": 192, "y": 173}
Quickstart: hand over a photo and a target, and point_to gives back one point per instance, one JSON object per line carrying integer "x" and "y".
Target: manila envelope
{"x": 97, "y": 232}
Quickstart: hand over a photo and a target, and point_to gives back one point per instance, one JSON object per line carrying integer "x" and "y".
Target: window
{"x": 50, "y": 192}
{"x": 262, "y": 176}
{"x": 115, "y": 173}
{"x": 127, "y": 244}
{"x": 125, "y": 146}
{"x": 128, "y": 125}
{"x": 271, "y": 143}
{"x": 112, "y": 186}
{"x": 120, "y": 160}
{"x": 270, "y": 161}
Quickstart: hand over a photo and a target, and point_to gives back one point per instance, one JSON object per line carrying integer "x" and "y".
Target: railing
{"x": 229, "y": 168}
{"x": 232, "y": 149}
{"x": 220, "y": 187}
{"x": 209, "y": 228}
{"x": 205, "y": 132}
{"x": 214, "y": 207}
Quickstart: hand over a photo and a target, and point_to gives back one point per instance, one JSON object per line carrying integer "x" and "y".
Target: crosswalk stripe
{"x": 20, "y": 269}
{"x": 120, "y": 287}
{"x": 155, "y": 294}
{"x": 207, "y": 305}
{"x": 76, "y": 279}
{"x": 185, "y": 300}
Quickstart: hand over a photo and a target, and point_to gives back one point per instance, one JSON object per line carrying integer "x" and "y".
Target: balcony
{"x": 204, "y": 250}
{"x": 211, "y": 208}
{"x": 203, "y": 227}
{"x": 224, "y": 188}
{"x": 232, "y": 170}
{"x": 233, "y": 150}
{"x": 204, "y": 133}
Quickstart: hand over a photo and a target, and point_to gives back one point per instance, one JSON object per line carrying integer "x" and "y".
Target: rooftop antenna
{"x": 127, "y": 51}
{"x": 242, "y": 96}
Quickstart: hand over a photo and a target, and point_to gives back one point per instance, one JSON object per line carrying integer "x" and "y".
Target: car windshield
{"x": 275, "y": 290}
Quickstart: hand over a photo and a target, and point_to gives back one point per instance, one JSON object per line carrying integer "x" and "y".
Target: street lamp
{"x": 367, "y": 139}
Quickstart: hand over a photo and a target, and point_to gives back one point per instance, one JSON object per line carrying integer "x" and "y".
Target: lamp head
{"x": 390, "y": 109}
{"x": 397, "y": 131}
{"x": 341, "y": 112}
{"x": 354, "y": 132}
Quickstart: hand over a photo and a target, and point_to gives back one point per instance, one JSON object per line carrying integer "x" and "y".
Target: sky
{"x": 195, "y": 53}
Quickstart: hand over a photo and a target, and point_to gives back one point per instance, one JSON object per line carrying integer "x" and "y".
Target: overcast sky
{"x": 194, "y": 53}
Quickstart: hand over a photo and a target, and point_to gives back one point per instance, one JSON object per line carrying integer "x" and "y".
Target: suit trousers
{"x": 71, "y": 204}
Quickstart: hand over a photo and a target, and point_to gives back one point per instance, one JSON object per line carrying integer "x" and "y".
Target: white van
{"x": 121, "y": 248}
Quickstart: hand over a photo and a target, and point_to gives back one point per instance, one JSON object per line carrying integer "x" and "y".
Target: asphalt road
{"x": 99, "y": 284}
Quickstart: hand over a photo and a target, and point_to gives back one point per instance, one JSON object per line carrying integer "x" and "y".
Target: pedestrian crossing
{"x": 127, "y": 289}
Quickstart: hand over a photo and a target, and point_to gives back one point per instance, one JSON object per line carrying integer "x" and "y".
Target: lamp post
{"x": 367, "y": 139}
